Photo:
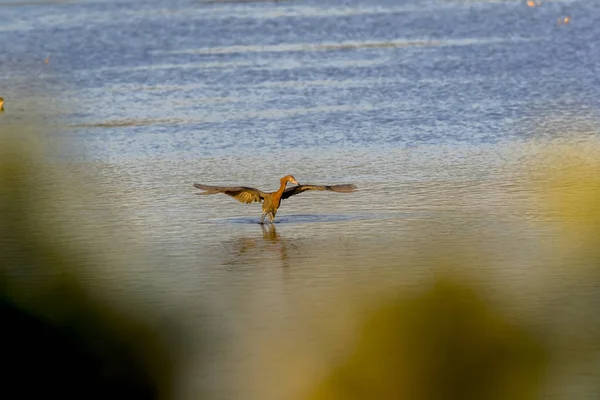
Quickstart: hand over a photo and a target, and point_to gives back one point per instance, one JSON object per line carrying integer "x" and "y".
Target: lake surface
{"x": 436, "y": 110}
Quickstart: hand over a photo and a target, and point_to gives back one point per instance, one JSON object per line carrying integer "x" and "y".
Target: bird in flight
{"x": 270, "y": 201}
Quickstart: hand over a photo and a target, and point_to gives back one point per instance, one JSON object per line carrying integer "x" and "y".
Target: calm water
{"x": 434, "y": 109}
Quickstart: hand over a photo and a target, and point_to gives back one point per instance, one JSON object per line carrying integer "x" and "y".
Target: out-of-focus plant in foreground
{"x": 59, "y": 338}
{"x": 446, "y": 341}
{"x": 443, "y": 343}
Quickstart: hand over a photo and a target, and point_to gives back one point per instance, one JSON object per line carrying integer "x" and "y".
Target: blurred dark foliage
{"x": 56, "y": 338}
{"x": 82, "y": 356}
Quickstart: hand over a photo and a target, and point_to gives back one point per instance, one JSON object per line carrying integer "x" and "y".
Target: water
{"x": 434, "y": 109}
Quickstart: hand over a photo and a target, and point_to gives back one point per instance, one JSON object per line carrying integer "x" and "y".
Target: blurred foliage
{"x": 443, "y": 343}
{"x": 57, "y": 338}
{"x": 447, "y": 342}
{"x": 568, "y": 181}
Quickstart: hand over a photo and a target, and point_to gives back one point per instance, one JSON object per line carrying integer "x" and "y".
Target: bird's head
{"x": 289, "y": 178}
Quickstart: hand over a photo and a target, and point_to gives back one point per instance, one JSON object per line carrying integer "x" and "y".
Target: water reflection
{"x": 277, "y": 245}
{"x": 270, "y": 234}
{"x": 315, "y": 218}
{"x": 271, "y": 249}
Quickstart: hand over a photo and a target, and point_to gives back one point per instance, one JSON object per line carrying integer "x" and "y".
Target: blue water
{"x": 192, "y": 79}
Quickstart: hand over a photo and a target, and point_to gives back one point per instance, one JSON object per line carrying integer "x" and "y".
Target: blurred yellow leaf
{"x": 444, "y": 343}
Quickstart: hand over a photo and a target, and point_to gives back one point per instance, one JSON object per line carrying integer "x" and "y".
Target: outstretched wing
{"x": 240, "y": 193}
{"x": 302, "y": 188}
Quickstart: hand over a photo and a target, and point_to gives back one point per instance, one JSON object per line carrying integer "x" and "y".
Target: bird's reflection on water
{"x": 270, "y": 233}
{"x": 248, "y": 249}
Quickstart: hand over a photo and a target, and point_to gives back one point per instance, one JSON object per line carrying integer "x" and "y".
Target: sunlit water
{"x": 434, "y": 109}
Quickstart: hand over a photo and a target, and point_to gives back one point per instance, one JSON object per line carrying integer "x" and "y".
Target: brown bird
{"x": 270, "y": 201}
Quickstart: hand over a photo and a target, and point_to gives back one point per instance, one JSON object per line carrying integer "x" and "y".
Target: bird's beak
{"x": 295, "y": 182}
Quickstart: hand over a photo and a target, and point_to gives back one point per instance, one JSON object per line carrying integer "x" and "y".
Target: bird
{"x": 270, "y": 201}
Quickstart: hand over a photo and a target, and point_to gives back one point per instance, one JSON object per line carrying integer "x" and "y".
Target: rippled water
{"x": 434, "y": 109}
